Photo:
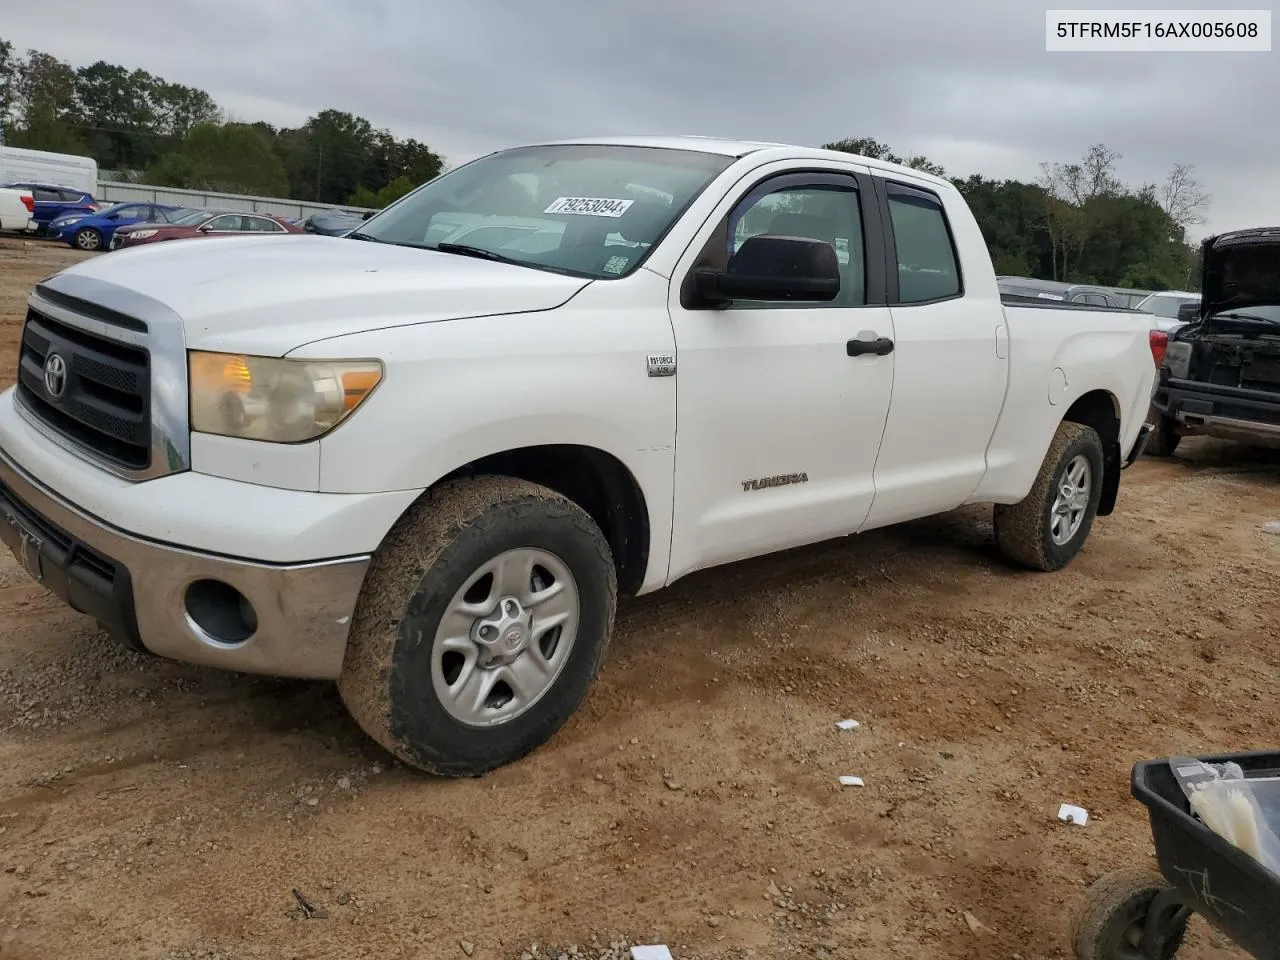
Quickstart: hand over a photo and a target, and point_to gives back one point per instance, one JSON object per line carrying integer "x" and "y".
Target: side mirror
{"x": 1188, "y": 312}
{"x": 774, "y": 269}
{"x": 367, "y": 215}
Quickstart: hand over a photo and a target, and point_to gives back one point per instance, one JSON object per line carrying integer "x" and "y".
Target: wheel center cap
{"x": 503, "y": 635}
{"x": 513, "y": 639}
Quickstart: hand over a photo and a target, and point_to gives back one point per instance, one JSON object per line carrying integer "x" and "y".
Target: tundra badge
{"x": 765, "y": 482}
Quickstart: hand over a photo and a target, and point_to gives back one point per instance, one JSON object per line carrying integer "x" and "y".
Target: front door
{"x": 778, "y": 419}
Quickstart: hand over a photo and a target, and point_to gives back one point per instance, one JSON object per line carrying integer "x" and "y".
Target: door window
{"x": 223, "y": 224}
{"x": 928, "y": 268}
{"x": 817, "y": 211}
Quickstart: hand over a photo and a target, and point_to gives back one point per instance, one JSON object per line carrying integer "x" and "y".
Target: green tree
{"x": 393, "y": 191}
{"x": 229, "y": 158}
{"x": 9, "y": 65}
{"x": 117, "y": 115}
{"x": 179, "y": 109}
{"x": 869, "y": 147}
{"x": 44, "y": 100}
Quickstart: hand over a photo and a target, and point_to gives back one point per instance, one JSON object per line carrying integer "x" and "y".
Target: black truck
{"x": 1221, "y": 372}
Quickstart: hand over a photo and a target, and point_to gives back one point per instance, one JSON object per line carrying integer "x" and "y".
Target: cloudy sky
{"x": 967, "y": 83}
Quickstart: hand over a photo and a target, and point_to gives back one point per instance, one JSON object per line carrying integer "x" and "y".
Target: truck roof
{"x": 740, "y": 148}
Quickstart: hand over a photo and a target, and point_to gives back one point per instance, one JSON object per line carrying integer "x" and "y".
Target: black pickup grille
{"x": 105, "y": 406}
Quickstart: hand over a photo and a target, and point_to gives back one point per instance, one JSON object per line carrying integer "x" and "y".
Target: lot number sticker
{"x": 590, "y": 206}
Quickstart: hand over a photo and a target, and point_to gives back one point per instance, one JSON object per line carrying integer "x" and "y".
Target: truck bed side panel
{"x": 1056, "y": 357}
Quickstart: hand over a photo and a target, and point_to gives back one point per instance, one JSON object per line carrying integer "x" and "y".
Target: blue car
{"x": 93, "y": 231}
{"x": 52, "y": 202}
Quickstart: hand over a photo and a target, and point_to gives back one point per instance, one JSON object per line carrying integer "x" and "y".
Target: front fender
{"x": 457, "y": 391}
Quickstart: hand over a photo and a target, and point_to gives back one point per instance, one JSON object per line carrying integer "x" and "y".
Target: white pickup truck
{"x": 426, "y": 458}
{"x": 17, "y": 210}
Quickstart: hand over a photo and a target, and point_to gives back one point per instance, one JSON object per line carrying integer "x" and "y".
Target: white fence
{"x": 114, "y": 191}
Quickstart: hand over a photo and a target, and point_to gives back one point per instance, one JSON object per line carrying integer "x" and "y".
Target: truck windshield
{"x": 586, "y": 210}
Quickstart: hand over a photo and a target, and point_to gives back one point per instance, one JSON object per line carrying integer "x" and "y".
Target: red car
{"x": 203, "y": 223}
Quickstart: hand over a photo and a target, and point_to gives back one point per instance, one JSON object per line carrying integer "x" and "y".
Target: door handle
{"x": 881, "y": 347}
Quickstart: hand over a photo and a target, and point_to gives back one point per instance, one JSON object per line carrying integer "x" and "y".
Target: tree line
{"x": 1076, "y": 222}
{"x": 154, "y": 131}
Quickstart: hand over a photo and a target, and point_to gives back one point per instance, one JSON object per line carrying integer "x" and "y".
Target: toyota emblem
{"x": 55, "y": 376}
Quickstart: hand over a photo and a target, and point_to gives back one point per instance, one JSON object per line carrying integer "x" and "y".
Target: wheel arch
{"x": 1100, "y": 409}
{"x": 595, "y": 480}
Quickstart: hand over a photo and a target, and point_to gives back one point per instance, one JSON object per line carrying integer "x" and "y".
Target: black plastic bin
{"x": 1136, "y": 914}
{"x": 1226, "y": 886}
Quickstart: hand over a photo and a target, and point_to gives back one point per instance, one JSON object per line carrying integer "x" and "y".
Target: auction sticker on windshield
{"x": 590, "y": 206}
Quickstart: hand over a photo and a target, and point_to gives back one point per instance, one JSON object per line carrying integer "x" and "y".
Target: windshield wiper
{"x": 480, "y": 253}
{"x": 1247, "y": 316}
{"x": 357, "y": 235}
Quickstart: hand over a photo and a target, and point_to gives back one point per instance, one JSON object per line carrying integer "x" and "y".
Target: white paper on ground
{"x": 1073, "y": 814}
{"x": 847, "y": 724}
{"x": 655, "y": 952}
{"x": 851, "y": 782}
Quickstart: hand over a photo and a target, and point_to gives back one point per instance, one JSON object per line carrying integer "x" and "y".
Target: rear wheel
{"x": 483, "y": 620}
{"x": 87, "y": 238}
{"x": 1050, "y": 525}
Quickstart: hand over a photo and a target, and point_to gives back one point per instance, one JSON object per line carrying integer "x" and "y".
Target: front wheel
{"x": 483, "y": 620}
{"x": 1049, "y": 526}
{"x": 88, "y": 239}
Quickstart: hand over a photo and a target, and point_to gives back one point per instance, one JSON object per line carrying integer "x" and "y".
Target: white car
{"x": 1164, "y": 305}
{"x": 17, "y": 209}
{"x": 426, "y": 468}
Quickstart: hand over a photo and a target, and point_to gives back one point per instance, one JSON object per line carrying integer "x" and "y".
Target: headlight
{"x": 141, "y": 234}
{"x": 68, "y": 222}
{"x": 274, "y": 399}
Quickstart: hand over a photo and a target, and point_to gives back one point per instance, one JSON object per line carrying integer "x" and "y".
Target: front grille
{"x": 105, "y": 405}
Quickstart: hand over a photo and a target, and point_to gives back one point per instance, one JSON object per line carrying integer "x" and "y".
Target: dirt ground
{"x": 155, "y": 810}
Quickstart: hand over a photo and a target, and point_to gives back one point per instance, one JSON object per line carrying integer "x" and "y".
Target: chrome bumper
{"x": 140, "y": 589}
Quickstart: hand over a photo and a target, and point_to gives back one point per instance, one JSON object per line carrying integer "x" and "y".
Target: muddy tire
{"x": 483, "y": 620}
{"x": 1110, "y": 920}
{"x": 1050, "y": 525}
{"x": 1165, "y": 437}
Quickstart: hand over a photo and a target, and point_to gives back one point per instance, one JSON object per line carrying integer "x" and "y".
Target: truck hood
{"x": 1241, "y": 270}
{"x": 270, "y": 295}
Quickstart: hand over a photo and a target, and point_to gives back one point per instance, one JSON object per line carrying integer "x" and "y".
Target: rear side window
{"x": 928, "y": 268}
{"x": 46, "y": 196}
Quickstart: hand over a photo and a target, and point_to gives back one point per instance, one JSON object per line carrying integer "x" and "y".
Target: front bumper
{"x": 141, "y": 590}
{"x": 1229, "y": 413}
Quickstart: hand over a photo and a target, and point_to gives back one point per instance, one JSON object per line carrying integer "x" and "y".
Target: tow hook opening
{"x": 220, "y": 612}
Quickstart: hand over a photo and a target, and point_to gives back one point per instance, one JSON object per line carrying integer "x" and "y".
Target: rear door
{"x": 48, "y": 204}
{"x": 778, "y": 419}
{"x": 951, "y": 361}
